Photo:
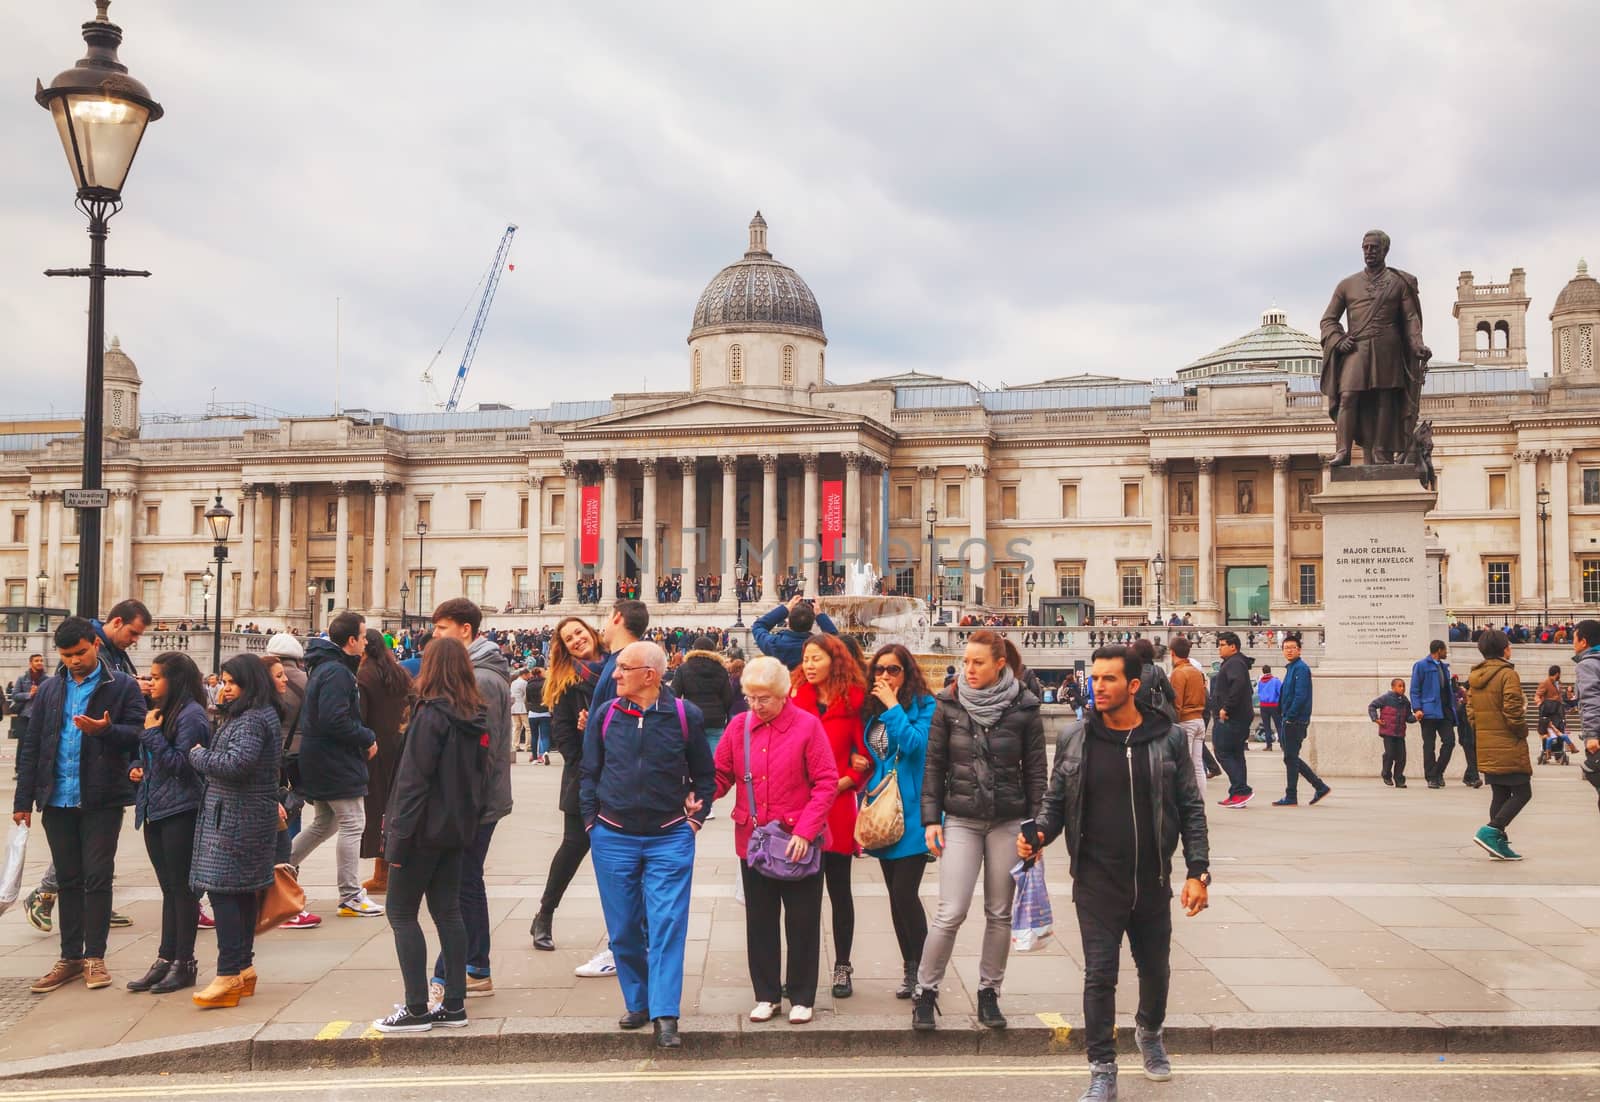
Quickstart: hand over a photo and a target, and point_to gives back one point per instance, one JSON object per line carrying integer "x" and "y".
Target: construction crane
{"x": 490, "y": 283}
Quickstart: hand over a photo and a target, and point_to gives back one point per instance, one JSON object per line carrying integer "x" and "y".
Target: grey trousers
{"x": 349, "y": 819}
{"x": 972, "y": 846}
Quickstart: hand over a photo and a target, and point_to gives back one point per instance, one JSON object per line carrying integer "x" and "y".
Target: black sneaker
{"x": 404, "y": 1021}
{"x": 924, "y": 1005}
{"x": 989, "y": 1009}
{"x": 449, "y": 1019}
{"x": 842, "y": 988}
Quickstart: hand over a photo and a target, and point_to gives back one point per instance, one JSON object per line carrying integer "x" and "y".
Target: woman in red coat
{"x": 830, "y": 685}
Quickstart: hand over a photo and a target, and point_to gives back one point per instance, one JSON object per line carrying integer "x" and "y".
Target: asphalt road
{"x": 1278, "y": 1079}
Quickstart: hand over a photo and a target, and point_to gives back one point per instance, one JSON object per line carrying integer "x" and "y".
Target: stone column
{"x": 35, "y": 541}
{"x": 379, "y": 599}
{"x": 610, "y": 563}
{"x": 1206, "y": 597}
{"x": 729, "y": 557}
{"x": 341, "y": 546}
{"x": 769, "y": 527}
{"x": 1528, "y": 526}
{"x": 570, "y": 567}
{"x": 853, "y": 545}
{"x": 647, "y": 532}
{"x": 978, "y": 559}
{"x": 1559, "y": 551}
{"x": 247, "y": 550}
{"x": 53, "y": 564}
{"x": 808, "y": 563}
{"x": 122, "y": 543}
{"x": 286, "y": 603}
{"x": 535, "y": 537}
{"x": 1281, "y": 591}
{"x": 1158, "y": 507}
{"x": 873, "y": 500}
{"x": 688, "y": 538}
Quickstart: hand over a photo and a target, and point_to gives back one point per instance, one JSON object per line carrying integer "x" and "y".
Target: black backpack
{"x": 1155, "y": 692}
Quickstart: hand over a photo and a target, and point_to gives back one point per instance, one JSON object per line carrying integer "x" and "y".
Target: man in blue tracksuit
{"x": 787, "y": 644}
{"x": 1294, "y": 706}
{"x": 1268, "y": 689}
{"x": 647, "y": 781}
{"x": 1434, "y": 707}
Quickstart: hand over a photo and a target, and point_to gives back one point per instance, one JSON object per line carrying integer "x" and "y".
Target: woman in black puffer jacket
{"x": 575, "y": 655}
{"x": 985, "y": 773}
{"x": 703, "y": 681}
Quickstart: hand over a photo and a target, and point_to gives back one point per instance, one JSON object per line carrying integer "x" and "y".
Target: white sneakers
{"x": 799, "y": 1015}
{"x": 360, "y": 905}
{"x": 599, "y": 966}
{"x": 763, "y": 1012}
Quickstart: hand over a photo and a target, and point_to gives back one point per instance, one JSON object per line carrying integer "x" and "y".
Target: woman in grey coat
{"x": 239, "y": 821}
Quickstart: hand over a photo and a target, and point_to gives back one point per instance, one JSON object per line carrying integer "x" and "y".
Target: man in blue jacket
{"x": 647, "y": 781}
{"x": 789, "y": 643}
{"x": 1434, "y": 707}
{"x": 1294, "y": 707}
{"x": 72, "y": 764}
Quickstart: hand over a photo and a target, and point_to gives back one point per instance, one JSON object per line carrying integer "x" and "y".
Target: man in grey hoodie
{"x": 461, "y": 619}
{"x": 1586, "y": 645}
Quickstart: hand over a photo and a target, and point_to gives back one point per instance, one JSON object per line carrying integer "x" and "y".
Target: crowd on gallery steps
{"x": 399, "y": 751}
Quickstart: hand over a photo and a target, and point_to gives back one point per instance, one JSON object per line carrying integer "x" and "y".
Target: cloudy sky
{"x": 1000, "y": 193}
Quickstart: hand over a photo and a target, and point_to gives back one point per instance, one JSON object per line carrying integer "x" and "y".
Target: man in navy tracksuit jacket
{"x": 788, "y": 644}
{"x": 1294, "y": 705}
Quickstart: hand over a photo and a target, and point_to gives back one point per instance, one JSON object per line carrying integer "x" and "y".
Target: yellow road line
{"x": 332, "y": 1031}
{"x": 1059, "y": 1028}
{"x": 345, "y": 1085}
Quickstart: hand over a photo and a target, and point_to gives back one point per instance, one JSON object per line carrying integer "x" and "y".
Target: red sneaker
{"x": 206, "y": 922}
{"x": 305, "y": 920}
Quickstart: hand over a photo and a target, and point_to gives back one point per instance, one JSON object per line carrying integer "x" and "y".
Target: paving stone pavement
{"x": 1372, "y": 905}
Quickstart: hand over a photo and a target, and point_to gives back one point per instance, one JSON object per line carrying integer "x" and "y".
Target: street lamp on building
{"x": 43, "y": 581}
{"x": 1030, "y": 599}
{"x": 1544, "y": 547}
{"x": 405, "y": 624}
{"x": 219, "y": 517}
{"x": 312, "y": 589}
{"x": 1160, "y": 564}
{"x": 100, "y": 114}
{"x": 933, "y": 519}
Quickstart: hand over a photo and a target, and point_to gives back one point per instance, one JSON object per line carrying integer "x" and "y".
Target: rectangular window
{"x": 904, "y": 506}
{"x": 1069, "y": 499}
{"x": 1008, "y": 503}
{"x": 149, "y": 590}
{"x": 475, "y": 515}
{"x": 199, "y": 527}
{"x": 198, "y": 597}
{"x": 953, "y": 575}
{"x": 19, "y": 527}
{"x": 472, "y": 585}
{"x": 72, "y": 591}
{"x": 1591, "y": 486}
{"x": 1069, "y": 579}
{"x": 17, "y": 594}
{"x": 636, "y": 499}
{"x": 330, "y": 518}
{"x": 1591, "y": 581}
{"x": 1308, "y": 583}
{"x": 1497, "y": 490}
{"x": 1499, "y": 581}
{"x": 522, "y": 511}
{"x": 1010, "y": 586}
{"x": 1132, "y": 503}
{"x": 152, "y": 520}
{"x": 553, "y": 589}
{"x": 905, "y": 581}
{"x": 424, "y": 587}
{"x": 1133, "y": 586}
{"x": 519, "y": 586}
{"x": 424, "y": 511}
{"x": 1187, "y": 573}
{"x": 952, "y": 500}
{"x": 558, "y": 504}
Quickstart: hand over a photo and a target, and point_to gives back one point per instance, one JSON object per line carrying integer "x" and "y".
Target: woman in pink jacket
{"x": 795, "y": 780}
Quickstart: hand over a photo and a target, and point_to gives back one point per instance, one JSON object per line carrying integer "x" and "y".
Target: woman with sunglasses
{"x": 896, "y": 718}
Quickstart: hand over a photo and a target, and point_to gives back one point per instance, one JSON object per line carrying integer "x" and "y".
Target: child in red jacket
{"x": 1391, "y": 712}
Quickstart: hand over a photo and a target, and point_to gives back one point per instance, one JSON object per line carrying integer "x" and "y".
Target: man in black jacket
{"x": 335, "y": 747}
{"x": 1123, "y": 791}
{"x": 1230, "y": 703}
{"x": 73, "y": 765}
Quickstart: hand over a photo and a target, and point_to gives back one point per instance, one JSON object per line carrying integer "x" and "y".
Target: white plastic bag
{"x": 1031, "y": 917}
{"x": 16, "y": 853}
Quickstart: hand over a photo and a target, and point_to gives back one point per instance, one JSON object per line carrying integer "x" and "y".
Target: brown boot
{"x": 220, "y": 992}
{"x": 63, "y": 973}
{"x": 379, "y": 884}
{"x": 95, "y": 975}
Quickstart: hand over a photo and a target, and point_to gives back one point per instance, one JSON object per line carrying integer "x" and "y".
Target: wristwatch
{"x": 1205, "y": 878}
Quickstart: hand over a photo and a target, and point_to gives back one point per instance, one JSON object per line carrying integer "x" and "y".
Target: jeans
{"x": 903, "y": 877}
{"x": 1195, "y": 731}
{"x": 644, "y": 891}
{"x": 1271, "y": 724}
{"x": 971, "y": 845}
{"x": 474, "y": 905}
{"x": 435, "y": 874}
{"x": 1394, "y": 759}
{"x": 1441, "y": 730}
{"x": 349, "y": 819}
{"x": 1507, "y": 801}
{"x": 235, "y": 914}
{"x": 1149, "y": 930}
{"x": 285, "y": 842}
{"x": 541, "y": 731}
{"x": 83, "y": 845}
{"x": 797, "y": 904}
{"x": 170, "y": 844}
{"x": 1229, "y": 737}
{"x": 836, "y": 875}
{"x": 1293, "y": 738}
{"x": 565, "y": 863}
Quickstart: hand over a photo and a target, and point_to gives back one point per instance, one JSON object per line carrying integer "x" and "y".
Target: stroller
{"x": 1557, "y": 745}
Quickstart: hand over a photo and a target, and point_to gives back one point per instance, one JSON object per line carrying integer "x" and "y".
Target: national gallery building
{"x": 1065, "y": 489}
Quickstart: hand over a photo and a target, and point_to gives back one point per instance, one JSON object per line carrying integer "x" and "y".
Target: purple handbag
{"x": 767, "y": 852}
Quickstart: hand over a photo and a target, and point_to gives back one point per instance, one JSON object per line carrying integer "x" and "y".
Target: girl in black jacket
{"x": 575, "y": 655}
{"x": 438, "y": 795}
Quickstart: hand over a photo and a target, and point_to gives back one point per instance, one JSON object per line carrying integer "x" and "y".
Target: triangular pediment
{"x": 716, "y": 410}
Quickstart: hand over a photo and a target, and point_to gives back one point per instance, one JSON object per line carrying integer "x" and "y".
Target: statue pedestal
{"x": 1381, "y": 600}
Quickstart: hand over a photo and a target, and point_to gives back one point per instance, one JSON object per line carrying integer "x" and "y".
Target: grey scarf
{"x": 986, "y": 706}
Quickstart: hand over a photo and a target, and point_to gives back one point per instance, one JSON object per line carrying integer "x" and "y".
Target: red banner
{"x": 832, "y": 519}
{"x": 589, "y": 525}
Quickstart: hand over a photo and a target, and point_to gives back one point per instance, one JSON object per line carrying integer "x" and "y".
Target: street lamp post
{"x": 422, "y": 535}
{"x": 44, "y": 618}
{"x": 205, "y": 597}
{"x": 1030, "y": 600}
{"x": 938, "y": 596}
{"x": 933, "y": 519}
{"x": 312, "y": 589}
{"x": 405, "y": 624}
{"x": 219, "y": 517}
{"x": 1160, "y": 562}
{"x": 739, "y": 571}
{"x": 100, "y": 114}
{"x": 1544, "y": 561}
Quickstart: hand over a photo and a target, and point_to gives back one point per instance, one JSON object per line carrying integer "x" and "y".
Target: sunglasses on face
{"x": 891, "y": 671}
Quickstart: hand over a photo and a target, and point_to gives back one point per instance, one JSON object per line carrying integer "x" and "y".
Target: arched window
{"x": 788, "y": 365}
{"x": 1485, "y": 340}
{"x": 821, "y": 367}
{"x": 694, "y": 371}
{"x": 736, "y": 365}
{"x": 1502, "y": 336}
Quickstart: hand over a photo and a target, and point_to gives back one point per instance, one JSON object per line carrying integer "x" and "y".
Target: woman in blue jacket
{"x": 896, "y": 718}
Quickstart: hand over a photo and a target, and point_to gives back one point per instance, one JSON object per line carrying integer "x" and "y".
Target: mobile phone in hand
{"x": 1030, "y": 831}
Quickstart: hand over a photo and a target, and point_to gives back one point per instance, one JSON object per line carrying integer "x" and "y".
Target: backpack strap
{"x": 683, "y": 720}
{"x": 611, "y": 710}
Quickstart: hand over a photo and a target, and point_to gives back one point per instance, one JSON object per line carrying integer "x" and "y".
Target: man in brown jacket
{"x": 1189, "y": 689}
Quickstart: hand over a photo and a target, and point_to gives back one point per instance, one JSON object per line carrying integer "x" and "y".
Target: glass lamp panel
{"x": 108, "y": 132}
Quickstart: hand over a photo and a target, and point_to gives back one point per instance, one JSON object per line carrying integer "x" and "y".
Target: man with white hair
{"x": 644, "y": 756}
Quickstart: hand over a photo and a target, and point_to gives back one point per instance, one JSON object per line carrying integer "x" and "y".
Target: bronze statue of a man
{"x": 1372, "y": 368}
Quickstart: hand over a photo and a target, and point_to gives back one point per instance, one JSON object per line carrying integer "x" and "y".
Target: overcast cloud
{"x": 997, "y": 193}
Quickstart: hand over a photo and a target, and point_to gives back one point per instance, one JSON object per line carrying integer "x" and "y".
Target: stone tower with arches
{"x": 1493, "y": 320}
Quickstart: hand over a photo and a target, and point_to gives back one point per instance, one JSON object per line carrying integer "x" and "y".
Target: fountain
{"x": 876, "y": 619}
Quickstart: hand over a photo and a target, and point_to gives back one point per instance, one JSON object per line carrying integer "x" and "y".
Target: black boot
{"x": 667, "y": 1033}
{"x": 542, "y": 938}
{"x": 179, "y": 976}
{"x": 989, "y": 1009}
{"x": 924, "y": 1008}
{"x": 158, "y": 972}
{"x": 908, "y": 986}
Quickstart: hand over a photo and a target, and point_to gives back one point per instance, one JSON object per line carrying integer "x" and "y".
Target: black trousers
{"x": 1394, "y": 758}
{"x": 1229, "y": 736}
{"x": 1469, "y": 751}
{"x": 1442, "y": 732}
{"x": 83, "y": 845}
{"x": 435, "y": 875}
{"x": 797, "y": 904}
{"x": 836, "y": 874}
{"x": 1149, "y": 932}
{"x": 903, "y": 877}
{"x": 566, "y": 862}
{"x": 235, "y": 915}
{"x": 1271, "y": 724}
{"x": 170, "y": 844}
{"x": 474, "y": 905}
{"x": 1293, "y": 738}
{"x": 1507, "y": 801}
